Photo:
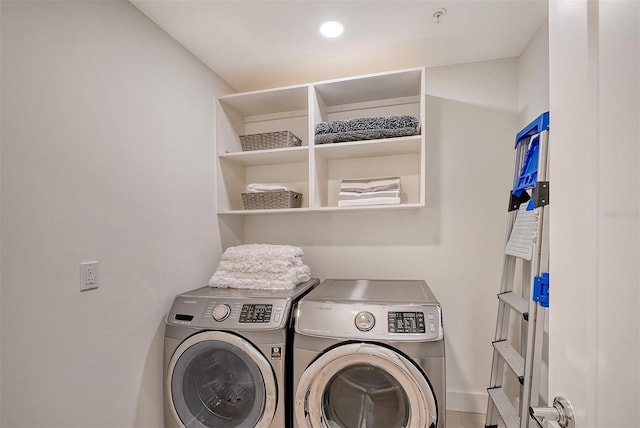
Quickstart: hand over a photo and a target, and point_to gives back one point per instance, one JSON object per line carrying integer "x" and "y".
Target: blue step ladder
{"x": 523, "y": 298}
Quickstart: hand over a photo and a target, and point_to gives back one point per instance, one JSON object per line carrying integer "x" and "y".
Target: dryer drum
{"x": 361, "y": 385}
{"x": 363, "y": 395}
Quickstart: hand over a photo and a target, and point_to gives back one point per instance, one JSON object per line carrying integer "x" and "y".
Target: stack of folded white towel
{"x": 265, "y": 187}
{"x": 369, "y": 191}
{"x": 261, "y": 266}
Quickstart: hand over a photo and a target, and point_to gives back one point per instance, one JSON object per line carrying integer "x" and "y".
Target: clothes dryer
{"x": 369, "y": 353}
{"x": 227, "y": 359}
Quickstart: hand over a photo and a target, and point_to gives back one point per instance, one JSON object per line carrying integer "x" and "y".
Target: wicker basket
{"x": 271, "y": 200}
{"x": 269, "y": 140}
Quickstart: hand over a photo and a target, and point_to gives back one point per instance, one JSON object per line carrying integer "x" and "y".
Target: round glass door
{"x": 221, "y": 382}
{"x": 364, "y": 396}
{"x": 362, "y": 385}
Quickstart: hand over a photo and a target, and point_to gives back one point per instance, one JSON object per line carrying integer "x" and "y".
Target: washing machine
{"x": 369, "y": 353}
{"x": 227, "y": 360}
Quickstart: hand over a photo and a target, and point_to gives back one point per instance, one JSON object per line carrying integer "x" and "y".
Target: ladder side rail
{"x": 521, "y": 154}
{"x": 528, "y": 357}
{"x": 496, "y": 378}
{"x": 542, "y": 311}
{"x": 506, "y": 284}
{"x": 536, "y": 369}
{"x": 535, "y": 327}
{"x": 502, "y": 326}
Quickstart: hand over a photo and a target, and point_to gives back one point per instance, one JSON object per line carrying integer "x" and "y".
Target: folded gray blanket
{"x": 390, "y": 122}
{"x": 366, "y": 134}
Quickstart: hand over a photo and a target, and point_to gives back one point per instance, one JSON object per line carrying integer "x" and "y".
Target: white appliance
{"x": 369, "y": 353}
{"x": 227, "y": 359}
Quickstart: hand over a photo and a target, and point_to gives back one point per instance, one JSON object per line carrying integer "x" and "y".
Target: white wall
{"x": 533, "y": 77}
{"x": 107, "y": 155}
{"x": 455, "y": 244}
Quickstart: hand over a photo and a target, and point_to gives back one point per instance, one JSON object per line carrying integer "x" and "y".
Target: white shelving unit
{"x": 316, "y": 170}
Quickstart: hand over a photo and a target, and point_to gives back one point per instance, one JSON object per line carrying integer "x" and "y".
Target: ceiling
{"x": 268, "y": 43}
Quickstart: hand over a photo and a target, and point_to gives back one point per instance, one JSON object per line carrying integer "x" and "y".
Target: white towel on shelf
{"x": 370, "y": 184}
{"x": 343, "y": 196}
{"x": 368, "y": 201}
{"x": 265, "y": 187}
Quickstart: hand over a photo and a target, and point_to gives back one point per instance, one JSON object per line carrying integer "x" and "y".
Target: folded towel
{"x": 368, "y": 201}
{"x": 369, "y": 181}
{"x": 345, "y": 196}
{"x": 261, "y": 266}
{"x": 255, "y": 284}
{"x": 365, "y": 134}
{"x": 264, "y": 251}
{"x": 366, "y": 185}
{"x": 291, "y": 275}
{"x": 264, "y": 187}
{"x": 359, "y": 124}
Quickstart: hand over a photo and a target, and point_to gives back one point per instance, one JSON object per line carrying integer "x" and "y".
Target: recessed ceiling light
{"x": 331, "y": 29}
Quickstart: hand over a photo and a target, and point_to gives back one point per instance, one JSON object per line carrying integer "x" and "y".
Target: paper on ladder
{"x": 523, "y": 234}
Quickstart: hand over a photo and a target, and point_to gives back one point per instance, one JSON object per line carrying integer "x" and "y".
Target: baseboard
{"x": 472, "y": 402}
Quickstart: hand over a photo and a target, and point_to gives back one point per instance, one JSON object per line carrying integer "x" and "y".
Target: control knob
{"x": 365, "y": 321}
{"x": 221, "y": 312}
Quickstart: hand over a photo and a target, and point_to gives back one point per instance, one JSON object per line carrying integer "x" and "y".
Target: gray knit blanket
{"x": 366, "y": 134}
{"x": 366, "y": 128}
{"x": 390, "y": 122}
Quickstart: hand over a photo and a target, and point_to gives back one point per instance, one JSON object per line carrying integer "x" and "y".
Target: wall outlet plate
{"x": 88, "y": 276}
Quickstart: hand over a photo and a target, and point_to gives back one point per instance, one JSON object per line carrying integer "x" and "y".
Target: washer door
{"x": 364, "y": 385}
{"x": 218, "y": 379}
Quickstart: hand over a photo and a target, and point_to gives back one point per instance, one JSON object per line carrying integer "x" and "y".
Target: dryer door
{"x": 218, "y": 379}
{"x": 364, "y": 385}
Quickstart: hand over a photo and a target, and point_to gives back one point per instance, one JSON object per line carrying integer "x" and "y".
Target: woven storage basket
{"x": 269, "y": 140}
{"x": 271, "y": 200}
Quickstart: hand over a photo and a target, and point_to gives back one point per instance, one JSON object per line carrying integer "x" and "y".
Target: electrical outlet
{"x": 88, "y": 275}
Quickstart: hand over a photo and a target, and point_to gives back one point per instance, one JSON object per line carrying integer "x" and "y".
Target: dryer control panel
{"x": 415, "y": 322}
{"x": 406, "y": 322}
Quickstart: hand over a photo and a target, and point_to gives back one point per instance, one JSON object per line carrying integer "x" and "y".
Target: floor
{"x": 466, "y": 420}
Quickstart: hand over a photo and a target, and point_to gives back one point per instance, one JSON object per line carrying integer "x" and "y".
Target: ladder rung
{"x": 505, "y": 409}
{"x": 511, "y": 357}
{"x": 516, "y": 302}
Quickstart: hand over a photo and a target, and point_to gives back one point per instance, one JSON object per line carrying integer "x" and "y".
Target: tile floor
{"x": 466, "y": 420}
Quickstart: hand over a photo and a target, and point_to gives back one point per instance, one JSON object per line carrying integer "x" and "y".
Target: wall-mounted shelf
{"x": 315, "y": 170}
{"x": 267, "y": 157}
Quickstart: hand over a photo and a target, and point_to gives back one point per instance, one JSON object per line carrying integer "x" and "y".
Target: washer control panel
{"x": 241, "y": 314}
{"x": 252, "y": 313}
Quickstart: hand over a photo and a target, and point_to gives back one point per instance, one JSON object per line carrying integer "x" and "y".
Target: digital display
{"x": 181, "y": 317}
{"x": 406, "y": 322}
{"x": 255, "y": 313}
